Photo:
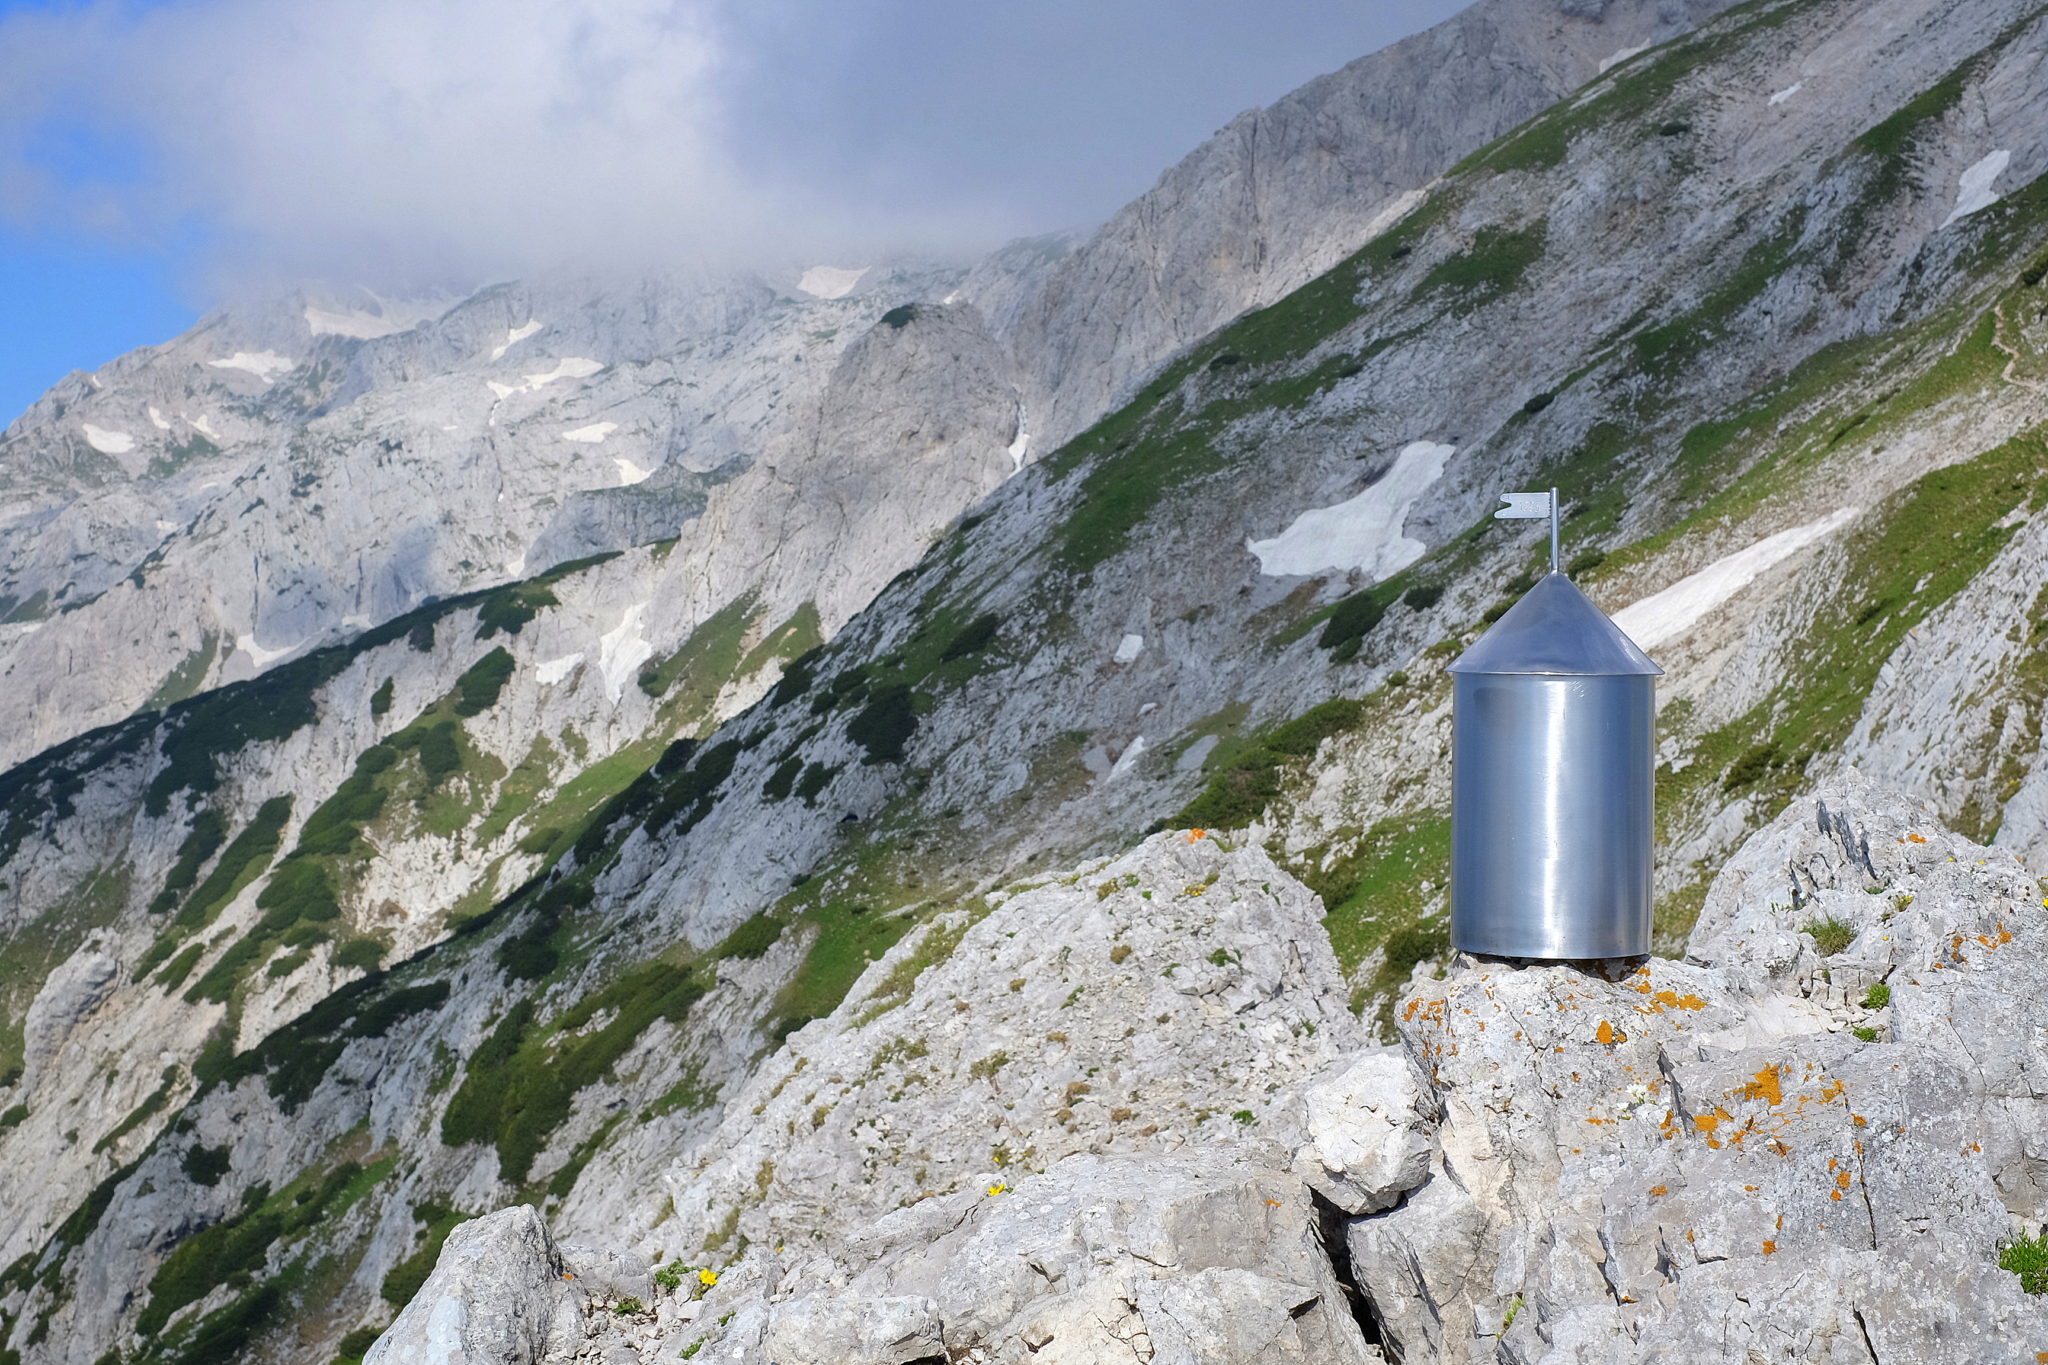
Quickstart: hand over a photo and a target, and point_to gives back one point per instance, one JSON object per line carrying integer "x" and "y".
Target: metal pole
{"x": 1553, "y": 530}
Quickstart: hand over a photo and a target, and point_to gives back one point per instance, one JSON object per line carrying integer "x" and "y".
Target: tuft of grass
{"x": 1830, "y": 935}
{"x": 2027, "y": 1258}
{"x": 1877, "y": 997}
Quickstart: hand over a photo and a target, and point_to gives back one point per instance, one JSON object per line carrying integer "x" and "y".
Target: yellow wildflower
{"x": 707, "y": 1277}
{"x": 1195, "y": 834}
{"x": 998, "y": 1188}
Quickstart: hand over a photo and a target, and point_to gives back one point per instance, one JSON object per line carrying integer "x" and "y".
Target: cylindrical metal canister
{"x": 1552, "y": 784}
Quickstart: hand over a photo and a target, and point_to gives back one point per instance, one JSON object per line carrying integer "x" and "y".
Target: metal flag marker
{"x": 1523, "y": 506}
{"x": 1553, "y": 727}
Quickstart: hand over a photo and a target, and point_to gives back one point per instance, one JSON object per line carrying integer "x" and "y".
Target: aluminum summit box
{"x": 1552, "y": 783}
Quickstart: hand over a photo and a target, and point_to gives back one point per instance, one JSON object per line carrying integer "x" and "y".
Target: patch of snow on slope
{"x": 1618, "y": 58}
{"x": 1127, "y": 760}
{"x": 573, "y": 367}
{"x": 203, "y": 427}
{"x": 830, "y": 282}
{"x": 554, "y": 670}
{"x": 622, "y": 650}
{"x": 1787, "y": 93}
{"x": 108, "y": 442}
{"x": 262, "y": 657}
{"x": 1364, "y": 532}
{"x": 591, "y": 434}
{"x": 1129, "y": 648}
{"x": 390, "y": 319}
{"x": 1020, "y": 445}
{"x": 504, "y": 391}
{"x": 1668, "y": 614}
{"x": 516, "y": 335}
{"x": 630, "y": 473}
{"x": 1975, "y": 191}
{"x": 265, "y": 365}
{"x": 157, "y": 420}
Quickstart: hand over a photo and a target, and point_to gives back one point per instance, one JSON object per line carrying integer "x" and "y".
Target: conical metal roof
{"x": 1555, "y": 629}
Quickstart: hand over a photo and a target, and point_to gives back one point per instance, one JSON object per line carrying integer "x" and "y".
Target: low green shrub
{"x": 476, "y": 691}
{"x": 884, "y": 726}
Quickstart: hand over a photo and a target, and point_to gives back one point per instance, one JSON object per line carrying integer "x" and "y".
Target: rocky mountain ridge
{"x": 486, "y": 906}
{"x": 1794, "y": 1144}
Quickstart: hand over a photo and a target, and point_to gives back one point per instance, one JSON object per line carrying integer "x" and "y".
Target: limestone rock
{"x": 80, "y": 985}
{"x": 497, "y": 1297}
{"x": 1648, "y": 1160}
{"x": 1206, "y": 1255}
{"x": 1371, "y": 1132}
{"x": 1168, "y": 997}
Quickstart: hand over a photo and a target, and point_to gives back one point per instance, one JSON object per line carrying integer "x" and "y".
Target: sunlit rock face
{"x": 625, "y": 888}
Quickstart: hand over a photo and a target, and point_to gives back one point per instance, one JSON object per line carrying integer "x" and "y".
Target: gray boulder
{"x": 499, "y": 1295}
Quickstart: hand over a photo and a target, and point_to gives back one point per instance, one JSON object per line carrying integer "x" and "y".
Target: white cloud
{"x": 481, "y": 135}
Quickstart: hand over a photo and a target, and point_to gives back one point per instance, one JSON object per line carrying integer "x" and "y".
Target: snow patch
{"x": 1020, "y": 445}
{"x": 554, "y": 670}
{"x": 830, "y": 282}
{"x": 265, "y": 365}
{"x": 1975, "y": 191}
{"x": 630, "y": 473}
{"x": 157, "y": 420}
{"x": 515, "y": 336}
{"x": 504, "y": 391}
{"x": 591, "y": 434}
{"x": 573, "y": 367}
{"x": 108, "y": 442}
{"x": 261, "y": 656}
{"x": 515, "y": 567}
{"x": 390, "y": 318}
{"x": 622, "y": 650}
{"x": 1129, "y": 648}
{"x": 203, "y": 427}
{"x": 1197, "y": 754}
{"x": 1668, "y": 614}
{"x": 164, "y": 528}
{"x": 1619, "y": 57}
{"x": 1787, "y": 93}
{"x": 1364, "y": 532}
{"x": 1128, "y": 759}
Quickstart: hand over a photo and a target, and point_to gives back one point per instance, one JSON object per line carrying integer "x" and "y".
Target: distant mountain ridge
{"x": 520, "y": 895}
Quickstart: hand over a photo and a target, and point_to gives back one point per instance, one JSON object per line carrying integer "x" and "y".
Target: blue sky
{"x": 156, "y": 156}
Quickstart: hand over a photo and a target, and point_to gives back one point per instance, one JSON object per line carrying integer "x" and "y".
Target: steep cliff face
{"x": 535, "y": 894}
{"x": 290, "y": 474}
{"x": 1281, "y": 194}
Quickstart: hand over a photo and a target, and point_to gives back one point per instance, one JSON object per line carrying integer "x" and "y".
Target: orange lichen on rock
{"x": 1770, "y": 1247}
{"x": 1765, "y": 1086}
{"x": 1658, "y": 1191}
{"x": 1607, "y": 1035}
{"x": 1917, "y": 838}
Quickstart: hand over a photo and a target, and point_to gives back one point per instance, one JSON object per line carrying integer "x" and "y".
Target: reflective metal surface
{"x": 1553, "y": 784}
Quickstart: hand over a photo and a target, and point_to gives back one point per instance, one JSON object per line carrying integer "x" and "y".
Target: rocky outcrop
{"x": 1754, "y": 1154}
{"x": 1808, "y": 1141}
{"x": 499, "y": 1295}
{"x": 1180, "y": 992}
